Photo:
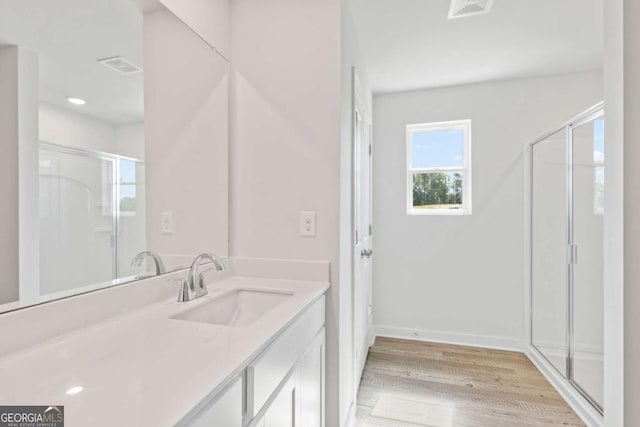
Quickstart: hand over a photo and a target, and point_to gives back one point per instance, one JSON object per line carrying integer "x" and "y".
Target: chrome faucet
{"x": 137, "y": 261}
{"x": 193, "y": 286}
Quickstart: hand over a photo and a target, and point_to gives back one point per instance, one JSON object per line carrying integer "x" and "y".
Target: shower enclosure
{"x": 566, "y": 265}
{"x": 92, "y": 217}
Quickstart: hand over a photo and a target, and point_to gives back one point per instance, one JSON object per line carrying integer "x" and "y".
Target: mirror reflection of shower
{"x": 92, "y": 217}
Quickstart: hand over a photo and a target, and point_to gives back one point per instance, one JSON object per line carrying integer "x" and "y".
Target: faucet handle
{"x": 194, "y": 285}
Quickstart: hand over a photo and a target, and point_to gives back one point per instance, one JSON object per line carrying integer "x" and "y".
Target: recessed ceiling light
{"x": 74, "y": 390}
{"x": 76, "y": 101}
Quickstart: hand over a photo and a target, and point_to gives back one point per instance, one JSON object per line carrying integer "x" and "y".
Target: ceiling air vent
{"x": 121, "y": 65}
{"x": 462, "y": 8}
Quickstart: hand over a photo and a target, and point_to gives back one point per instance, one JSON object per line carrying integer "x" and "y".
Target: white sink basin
{"x": 240, "y": 307}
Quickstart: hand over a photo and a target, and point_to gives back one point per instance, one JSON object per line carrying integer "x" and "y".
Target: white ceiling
{"x": 70, "y": 36}
{"x": 410, "y": 44}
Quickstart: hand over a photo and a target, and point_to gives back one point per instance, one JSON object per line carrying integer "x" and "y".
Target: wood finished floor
{"x": 410, "y": 383}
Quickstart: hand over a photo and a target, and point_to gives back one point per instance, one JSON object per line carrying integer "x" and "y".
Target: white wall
{"x": 130, "y": 140}
{"x": 19, "y": 178}
{"x": 285, "y": 153}
{"x": 73, "y": 129}
{"x": 631, "y": 211}
{"x": 464, "y": 274}
{"x": 65, "y": 127}
{"x": 208, "y": 18}
{"x": 9, "y": 175}
{"x": 614, "y": 86}
{"x": 28, "y": 182}
{"x": 622, "y": 207}
{"x": 186, "y": 128}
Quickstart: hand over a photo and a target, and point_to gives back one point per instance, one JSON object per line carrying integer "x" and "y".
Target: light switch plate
{"x": 308, "y": 224}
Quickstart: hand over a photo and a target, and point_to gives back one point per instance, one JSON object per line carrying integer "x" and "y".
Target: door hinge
{"x": 356, "y": 236}
{"x": 370, "y": 229}
{"x": 370, "y": 149}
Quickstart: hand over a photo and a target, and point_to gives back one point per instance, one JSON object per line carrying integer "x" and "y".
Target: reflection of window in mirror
{"x": 598, "y": 167}
{"x": 127, "y": 186}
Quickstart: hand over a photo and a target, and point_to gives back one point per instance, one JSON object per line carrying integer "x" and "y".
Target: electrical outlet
{"x": 308, "y": 224}
{"x": 167, "y": 222}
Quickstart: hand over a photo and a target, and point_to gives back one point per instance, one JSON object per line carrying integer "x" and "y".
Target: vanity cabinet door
{"x": 224, "y": 411}
{"x": 267, "y": 371}
{"x": 310, "y": 392}
{"x": 282, "y": 411}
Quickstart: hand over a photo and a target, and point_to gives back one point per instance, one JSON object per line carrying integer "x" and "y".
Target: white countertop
{"x": 143, "y": 368}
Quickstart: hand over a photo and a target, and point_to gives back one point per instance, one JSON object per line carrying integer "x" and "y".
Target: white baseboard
{"x": 483, "y": 341}
{"x": 574, "y": 399}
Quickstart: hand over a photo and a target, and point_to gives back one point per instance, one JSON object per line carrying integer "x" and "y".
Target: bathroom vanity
{"x": 274, "y": 387}
{"x": 117, "y": 159}
{"x": 249, "y": 353}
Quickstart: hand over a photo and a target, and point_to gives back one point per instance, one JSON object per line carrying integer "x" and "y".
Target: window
{"x": 439, "y": 168}
{"x": 128, "y": 185}
{"x": 598, "y": 167}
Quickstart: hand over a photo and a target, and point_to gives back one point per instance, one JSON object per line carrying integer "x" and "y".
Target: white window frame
{"x": 412, "y": 129}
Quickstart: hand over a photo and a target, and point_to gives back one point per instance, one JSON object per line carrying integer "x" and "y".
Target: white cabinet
{"x": 284, "y": 386}
{"x": 310, "y": 389}
{"x": 210, "y": 19}
{"x": 299, "y": 399}
{"x": 225, "y": 410}
{"x": 268, "y": 370}
{"x": 282, "y": 411}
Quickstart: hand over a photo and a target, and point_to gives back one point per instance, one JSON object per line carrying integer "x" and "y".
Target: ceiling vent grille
{"x": 121, "y": 65}
{"x": 462, "y": 8}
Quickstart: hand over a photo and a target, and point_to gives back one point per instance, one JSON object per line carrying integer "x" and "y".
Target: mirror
{"x": 113, "y": 127}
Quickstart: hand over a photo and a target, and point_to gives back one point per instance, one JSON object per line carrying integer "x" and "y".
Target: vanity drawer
{"x": 265, "y": 374}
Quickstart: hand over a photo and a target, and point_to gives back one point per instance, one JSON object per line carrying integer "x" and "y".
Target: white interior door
{"x": 363, "y": 231}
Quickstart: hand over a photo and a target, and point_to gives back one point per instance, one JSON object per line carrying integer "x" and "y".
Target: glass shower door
{"x": 549, "y": 242}
{"x": 587, "y": 288}
{"x": 567, "y": 252}
{"x": 77, "y": 220}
